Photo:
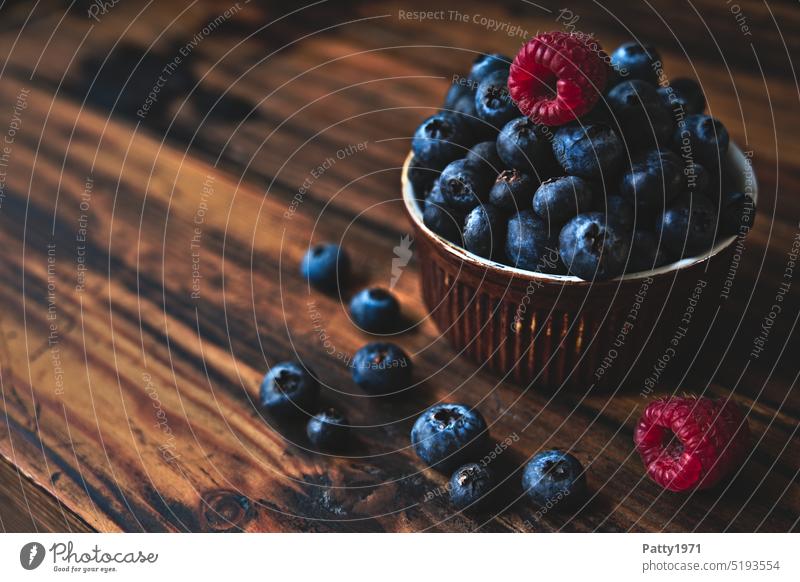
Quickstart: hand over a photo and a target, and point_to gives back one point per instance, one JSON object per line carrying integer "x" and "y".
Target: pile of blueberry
{"x": 448, "y": 437}
{"x": 452, "y": 436}
{"x": 289, "y": 390}
{"x": 560, "y": 163}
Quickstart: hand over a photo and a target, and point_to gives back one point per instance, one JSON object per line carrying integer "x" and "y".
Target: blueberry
{"x": 635, "y": 61}
{"x": 470, "y": 485}
{"x": 688, "y": 226}
{"x": 464, "y": 185}
{"x": 559, "y": 199}
{"x": 697, "y": 180}
{"x": 554, "y": 478}
{"x": 531, "y": 243}
{"x": 512, "y": 190}
{"x": 440, "y": 218}
{"x": 448, "y": 435}
{"x": 485, "y": 155}
{"x": 421, "y": 178}
{"x": 381, "y": 368}
{"x": 632, "y": 93}
{"x": 592, "y": 247}
{"x": 737, "y": 212}
{"x": 473, "y": 128}
{"x": 485, "y": 65}
{"x": 325, "y": 265}
{"x": 619, "y": 211}
{"x": 288, "y": 389}
{"x": 590, "y": 152}
{"x": 375, "y": 310}
{"x": 643, "y": 118}
{"x": 684, "y": 93}
{"x": 652, "y": 183}
{"x": 493, "y": 101}
{"x": 439, "y": 140}
{"x": 484, "y": 231}
{"x": 457, "y": 92}
{"x": 704, "y": 139}
{"x": 328, "y": 430}
{"x": 522, "y": 146}
{"x": 464, "y": 109}
{"x": 646, "y": 253}
{"x": 599, "y": 114}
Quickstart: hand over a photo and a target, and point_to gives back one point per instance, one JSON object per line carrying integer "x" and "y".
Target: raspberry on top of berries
{"x": 558, "y": 76}
{"x": 690, "y": 443}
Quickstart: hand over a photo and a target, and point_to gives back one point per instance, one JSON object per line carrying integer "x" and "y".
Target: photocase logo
{"x": 31, "y": 555}
{"x": 402, "y": 255}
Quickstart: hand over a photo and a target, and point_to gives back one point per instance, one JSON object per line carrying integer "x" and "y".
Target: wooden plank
{"x": 146, "y": 406}
{"x": 27, "y": 508}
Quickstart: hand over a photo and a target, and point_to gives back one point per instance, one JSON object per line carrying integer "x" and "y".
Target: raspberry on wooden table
{"x": 690, "y": 443}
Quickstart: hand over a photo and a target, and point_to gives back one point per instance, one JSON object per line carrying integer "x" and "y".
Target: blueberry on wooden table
{"x": 289, "y": 388}
{"x": 448, "y": 435}
{"x": 381, "y": 368}
{"x": 470, "y": 485}
{"x": 554, "y": 478}
{"x": 375, "y": 310}
{"x": 326, "y": 266}
{"x": 328, "y": 430}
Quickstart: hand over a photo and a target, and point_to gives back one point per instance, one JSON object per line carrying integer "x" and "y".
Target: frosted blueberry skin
{"x": 381, "y": 368}
{"x": 559, "y": 199}
{"x": 554, "y": 479}
{"x": 485, "y": 65}
{"x": 522, "y": 145}
{"x": 493, "y": 101}
{"x": 439, "y": 140}
{"x": 325, "y": 266}
{"x": 685, "y": 94}
{"x": 375, "y": 310}
{"x": 532, "y": 244}
{"x": 464, "y": 185}
{"x": 512, "y": 191}
{"x": 594, "y": 248}
{"x": 470, "y": 485}
{"x": 620, "y": 212}
{"x": 485, "y": 231}
{"x": 328, "y": 430}
{"x": 637, "y": 61}
{"x": 643, "y": 118}
{"x": 446, "y": 436}
{"x": 589, "y": 152}
{"x": 703, "y": 139}
{"x": 421, "y": 178}
{"x": 652, "y": 183}
{"x": 441, "y": 218}
{"x": 484, "y": 155}
{"x": 688, "y": 227}
{"x": 289, "y": 389}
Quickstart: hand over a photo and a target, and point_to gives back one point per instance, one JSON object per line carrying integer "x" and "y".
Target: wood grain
{"x": 129, "y": 387}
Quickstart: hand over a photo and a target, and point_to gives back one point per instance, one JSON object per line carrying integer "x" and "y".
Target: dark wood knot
{"x": 224, "y": 510}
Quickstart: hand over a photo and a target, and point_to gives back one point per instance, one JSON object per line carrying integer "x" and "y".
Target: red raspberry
{"x": 691, "y": 443}
{"x": 572, "y": 63}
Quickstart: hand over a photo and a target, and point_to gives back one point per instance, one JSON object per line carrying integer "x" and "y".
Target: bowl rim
{"x": 735, "y": 155}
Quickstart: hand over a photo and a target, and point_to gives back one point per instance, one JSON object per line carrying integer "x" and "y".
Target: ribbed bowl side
{"x": 554, "y": 342}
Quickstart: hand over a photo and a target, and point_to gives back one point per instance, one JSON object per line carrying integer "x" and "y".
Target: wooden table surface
{"x": 150, "y": 266}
